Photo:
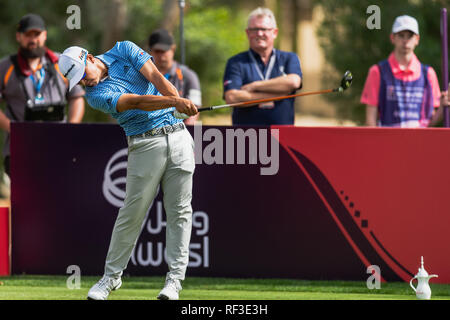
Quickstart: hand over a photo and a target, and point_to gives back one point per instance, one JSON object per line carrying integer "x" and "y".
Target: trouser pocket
{"x": 182, "y": 150}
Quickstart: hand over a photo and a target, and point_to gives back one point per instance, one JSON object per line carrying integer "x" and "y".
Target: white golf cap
{"x": 402, "y": 23}
{"x": 72, "y": 63}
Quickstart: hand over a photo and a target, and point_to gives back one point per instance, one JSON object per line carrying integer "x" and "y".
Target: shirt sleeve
{"x": 193, "y": 91}
{"x": 232, "y": 78}
{"x": 76, "y": 92}
{"x": 103, "y": 100}
{"x": 293, "y": 65}
{"x": 371, "y": 87}
{"x": 435, "y": 88}
{"x": 133, "y": 53}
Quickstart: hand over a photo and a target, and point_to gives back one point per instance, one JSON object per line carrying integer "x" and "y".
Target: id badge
{"x": 267, "y": 105}
{"x": 39, "y": 99}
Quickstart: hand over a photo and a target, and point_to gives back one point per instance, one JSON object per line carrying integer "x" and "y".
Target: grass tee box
{"x": 28, "y": 287}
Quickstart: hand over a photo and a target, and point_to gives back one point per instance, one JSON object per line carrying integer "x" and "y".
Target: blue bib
{"x": 401, "y": 101}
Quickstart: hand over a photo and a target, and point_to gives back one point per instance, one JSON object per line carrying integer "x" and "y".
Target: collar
{"x": 25, "y": 68}
{"x": 257, "y": 55}
{"x": 413, "y": 69}
{"x": 106, "y": 59}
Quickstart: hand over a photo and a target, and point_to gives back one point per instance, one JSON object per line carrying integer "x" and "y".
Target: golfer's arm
{"x": 130, "y": 101}
{"x": 152, "y": 74}
{"x": 169, "y": 99}
{"x": 282, "y": 85}
{"x": 371, "y": 115}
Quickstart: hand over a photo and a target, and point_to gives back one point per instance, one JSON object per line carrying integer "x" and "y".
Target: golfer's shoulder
{"x": 125, "y": 44}
{"x": 124, "y": 48}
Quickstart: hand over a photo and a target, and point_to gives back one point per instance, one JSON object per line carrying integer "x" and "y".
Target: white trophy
{"x": 423, "y": 290}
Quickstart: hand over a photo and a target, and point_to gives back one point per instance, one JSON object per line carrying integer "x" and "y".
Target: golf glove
{"x": 180, "y": 115}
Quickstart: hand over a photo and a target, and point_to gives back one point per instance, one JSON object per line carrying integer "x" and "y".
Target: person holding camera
{"x": 31, "y": 84}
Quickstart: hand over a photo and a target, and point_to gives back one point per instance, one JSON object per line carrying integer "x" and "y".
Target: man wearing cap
{"x": 31, "y": 84}
{"x": 125, "y": 83}
{"x": 162, "y": 48}
{"x": 401, "y": 91}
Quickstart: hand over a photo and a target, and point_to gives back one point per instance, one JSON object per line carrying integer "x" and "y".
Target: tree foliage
{"x": 349, "y": 45}
{"x": 213, "y": 33}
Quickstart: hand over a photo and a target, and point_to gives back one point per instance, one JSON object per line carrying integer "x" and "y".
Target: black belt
{"x": 158, "y": 131}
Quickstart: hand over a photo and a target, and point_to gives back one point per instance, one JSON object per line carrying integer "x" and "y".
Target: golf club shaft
{"x": 258, "y": 101}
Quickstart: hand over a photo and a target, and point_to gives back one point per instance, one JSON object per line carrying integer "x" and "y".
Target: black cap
{"x": 160, "y": 39}
{"x": 31, "y": 22}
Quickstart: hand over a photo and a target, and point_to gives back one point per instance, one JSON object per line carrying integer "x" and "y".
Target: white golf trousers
{"x": 167, "y": 160}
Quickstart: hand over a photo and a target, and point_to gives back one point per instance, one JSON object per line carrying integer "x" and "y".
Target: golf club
{"x": 346, "y": 82}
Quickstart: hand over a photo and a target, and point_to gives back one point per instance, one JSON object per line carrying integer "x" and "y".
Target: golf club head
{"x": 346, "y": 81}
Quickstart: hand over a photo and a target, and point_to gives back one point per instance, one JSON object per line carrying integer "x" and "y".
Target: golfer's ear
{"x": 90, "y": 58}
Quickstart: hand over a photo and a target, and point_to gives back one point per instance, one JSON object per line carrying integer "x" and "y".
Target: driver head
{"x": 346, "y": 81}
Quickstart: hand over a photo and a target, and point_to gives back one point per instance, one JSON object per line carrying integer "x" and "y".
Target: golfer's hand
{"x": 444, "y": 99}
{"x": 186, "y": 106}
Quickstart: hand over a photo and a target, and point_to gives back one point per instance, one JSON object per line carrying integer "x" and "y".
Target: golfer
{"x": 125, "y": 83}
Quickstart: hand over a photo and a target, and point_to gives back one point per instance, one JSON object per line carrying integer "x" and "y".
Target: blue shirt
{"x": 124, "y": 62}
{"x": 242, "y": 69}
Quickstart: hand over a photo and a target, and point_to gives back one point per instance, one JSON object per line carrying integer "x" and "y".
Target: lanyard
{"x": 269, "y": 68}
{"x": 38, "y": 83}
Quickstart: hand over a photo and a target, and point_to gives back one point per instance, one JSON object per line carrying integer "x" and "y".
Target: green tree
{"x": 213, "y": 33}
{"x": 349, "y": 45}
{"x": 222, "y": 35}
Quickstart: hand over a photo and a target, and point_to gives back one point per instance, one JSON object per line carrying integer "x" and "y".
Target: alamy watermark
{"x": 74, "y": 280}
{"x": 74, "y": 20}
{"x": 374, "y": 280}
{"x": 238, "y": 146}
{"x": 374, "y": 20}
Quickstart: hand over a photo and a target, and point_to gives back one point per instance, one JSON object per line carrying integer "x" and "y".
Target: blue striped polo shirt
{"x": 124, "y": 62}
